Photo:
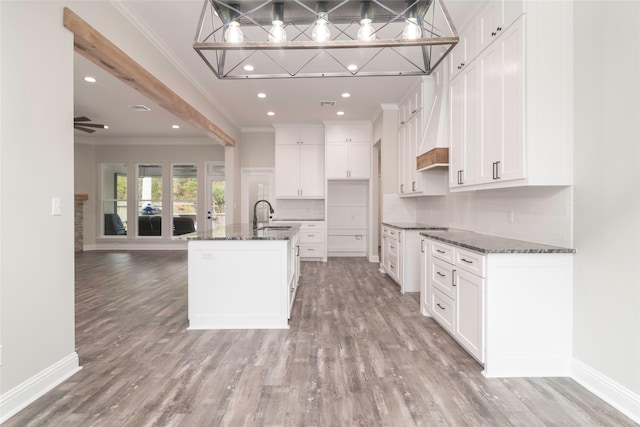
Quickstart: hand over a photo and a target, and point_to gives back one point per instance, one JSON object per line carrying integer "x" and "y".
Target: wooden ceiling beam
{"x": 98, "y": 49}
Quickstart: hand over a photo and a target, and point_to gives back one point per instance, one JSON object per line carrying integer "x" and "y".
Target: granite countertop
{"x": 243, "y": 232}
{"x": 487, "y": 244}
{"x": 413, "y": 226}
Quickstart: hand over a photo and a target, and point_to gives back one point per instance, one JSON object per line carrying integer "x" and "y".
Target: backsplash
{"x": 537, "y": 214}
{"x": 299, "y": 209}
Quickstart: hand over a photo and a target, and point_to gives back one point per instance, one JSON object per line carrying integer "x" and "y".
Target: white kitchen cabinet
{"x": 348, "y": 151}
{"x": 524, "y": 133}
{"x": 411, "y": 143}
{"x": 299, "y": 161}
{"x": 510, "y": 311}
{"x": 312, "y": 239}
{"x": 400, "y": 259}
{"x": 465, "y": 153}
{"x": 495, "y": 17}
{"x": 466, "y": 49}
{"x": 423, "y": 277}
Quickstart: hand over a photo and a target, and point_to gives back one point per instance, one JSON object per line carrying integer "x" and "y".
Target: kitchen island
{"x": 241, "y": 278}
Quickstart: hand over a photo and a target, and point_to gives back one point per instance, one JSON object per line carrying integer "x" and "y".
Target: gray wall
{"x": 607, "y": 189}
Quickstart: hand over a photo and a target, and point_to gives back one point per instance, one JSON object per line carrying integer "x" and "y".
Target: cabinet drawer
{"x": 442, "y": 277}
{"x": 311, "y": 236}
{"x": 311, "y": 251}
{"x": 444, "y": 252}
{"x": 393, "y": 247}
{"x": 385, "y": 231}
{"x": 470, "y": 261}
{"x": 312, "y": 226}
{"x": 394, "y": 233}
{"x": 443, "y": 310}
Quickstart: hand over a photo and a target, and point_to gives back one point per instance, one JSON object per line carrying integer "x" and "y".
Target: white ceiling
{"x": 171, "y": 26}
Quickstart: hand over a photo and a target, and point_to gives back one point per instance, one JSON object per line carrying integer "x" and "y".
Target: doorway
{"x": 257, "y": 184}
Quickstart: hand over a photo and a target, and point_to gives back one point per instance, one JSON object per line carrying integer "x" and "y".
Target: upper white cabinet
{"x": 510, "y": 121}
{"x": 299, "y": 162}
{"x": 419, "y": 134}
{"x": 495, "y": 17}
{"x": 348, "y": 154}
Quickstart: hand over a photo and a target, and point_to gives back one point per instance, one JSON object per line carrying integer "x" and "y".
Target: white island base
{"x": 241, "y": 284}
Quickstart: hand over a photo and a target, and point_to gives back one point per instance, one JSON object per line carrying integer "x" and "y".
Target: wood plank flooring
{"x": 358, "y": 353}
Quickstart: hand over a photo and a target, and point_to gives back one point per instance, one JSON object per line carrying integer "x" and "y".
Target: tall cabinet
{"x": 507, "y": 68}
{"x": 299, "y": 162}
{"x": 348, "y": 150}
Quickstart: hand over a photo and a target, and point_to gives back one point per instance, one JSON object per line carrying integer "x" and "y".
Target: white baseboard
{"x": 29, "y": 391}
{"x": 621, "y": 398}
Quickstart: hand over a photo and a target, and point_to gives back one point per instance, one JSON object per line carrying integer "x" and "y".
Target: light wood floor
{"x": 358, "y": 353}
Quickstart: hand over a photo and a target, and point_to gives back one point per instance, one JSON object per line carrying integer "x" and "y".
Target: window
{"x": 215, "y": 197}
{"x": 114, "y": 199}
{"x": 185, "y": 198}
{"x": 149, "y": 200}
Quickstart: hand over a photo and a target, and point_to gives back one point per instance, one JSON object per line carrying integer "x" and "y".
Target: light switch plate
{"x": 56, "y": 206}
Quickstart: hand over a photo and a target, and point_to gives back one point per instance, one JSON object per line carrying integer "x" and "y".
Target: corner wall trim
{"x": 29, "y": 391}
{"x": 621, "y": 398}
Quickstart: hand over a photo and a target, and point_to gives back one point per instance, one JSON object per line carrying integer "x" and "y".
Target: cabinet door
{"x": 385, "y": 253}
{"x": 312, "y": 135}
{"x": 425, "y": 288}
{"x": 512, "y": 153}
{"x": 359, "y": 133}
{"x": 311, "y": 170}
{"x": 360, "y": 160}
{"x": 472, "y": 142}
{"x": 491, "y": 105}
{"x": 336, "y": 133}
{"x": 287, "y": 135}
{"x": 469, "y": 324}
{"x": 456, "y": 131}
{"x": 337, "y": 160}
{"x": 402, "y": 164}
{"x": 415, "y": 129}
{"x": 490, "y": 22}
{"x": 287, "y": 171}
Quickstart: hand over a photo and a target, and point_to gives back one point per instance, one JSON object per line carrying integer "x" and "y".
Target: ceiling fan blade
{"x": 92, "y": 125}
{"x": 81, "y": 119}
{"x": 84, "y": 129}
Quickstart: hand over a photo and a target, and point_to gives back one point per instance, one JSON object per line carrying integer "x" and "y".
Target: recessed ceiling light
{"x": 90, "y": 79}
{"x": 248, "y": 67}
{"x": 352, "y": 67}
{"x": 175, "y": 126}
{"x": 340, "y": 113}
{"x": 262, "y": 95}
{"x": 346, "y": 95}
{"x": 106, "y": 127}
{"x": 271, "y": 113}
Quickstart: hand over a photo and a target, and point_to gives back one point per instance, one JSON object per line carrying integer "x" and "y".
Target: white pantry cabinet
{"x": 510, "y": 311}
{"x": 510, "y": 123}
{"x": 348, "y": 150}
{"x": 299, "y": 162}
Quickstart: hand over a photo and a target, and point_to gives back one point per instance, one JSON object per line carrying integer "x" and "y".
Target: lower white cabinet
{"x": 399, "y": 257}
{"x": 511, "y": 311}
{"x": 312, "y": 240}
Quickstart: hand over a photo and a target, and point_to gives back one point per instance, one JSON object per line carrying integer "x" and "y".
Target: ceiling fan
{"x": 81, "y": 123}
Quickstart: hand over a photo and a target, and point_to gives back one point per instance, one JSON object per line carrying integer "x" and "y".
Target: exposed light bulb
{"x": 366, "y": 32}
{"x": 233, "y": 33}
{"x": 320, "y": 31}
{"x": 412, "y": 30}
{"x": 277, "y": 32}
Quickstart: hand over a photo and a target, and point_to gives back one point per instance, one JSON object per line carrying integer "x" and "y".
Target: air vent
{"x": 140, "y": 107}
{"x": 327, "y": 103}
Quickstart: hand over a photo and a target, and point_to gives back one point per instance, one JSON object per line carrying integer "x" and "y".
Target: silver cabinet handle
{"x": 464, "y": 260}
{"x": 453, "y": 278}
{"x": 439, "y": 306}
{"x": 422, "y": 246}
{"x": 413, "y": 186}
{"x": 439, "y": 251}
{"x": 440, "y": 274}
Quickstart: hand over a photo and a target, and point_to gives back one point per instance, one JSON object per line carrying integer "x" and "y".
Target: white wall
{"x": 258, "y": 148}
{"x": 36, "y": 164}
{"x": 607, "y": 190}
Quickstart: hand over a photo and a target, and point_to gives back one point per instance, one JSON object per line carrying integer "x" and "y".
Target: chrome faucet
{"x": 255, "y": 216}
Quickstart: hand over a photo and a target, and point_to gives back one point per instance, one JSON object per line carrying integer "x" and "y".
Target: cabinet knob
{"x": 493, "y": 33}
{"x": 499, "y": 29}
